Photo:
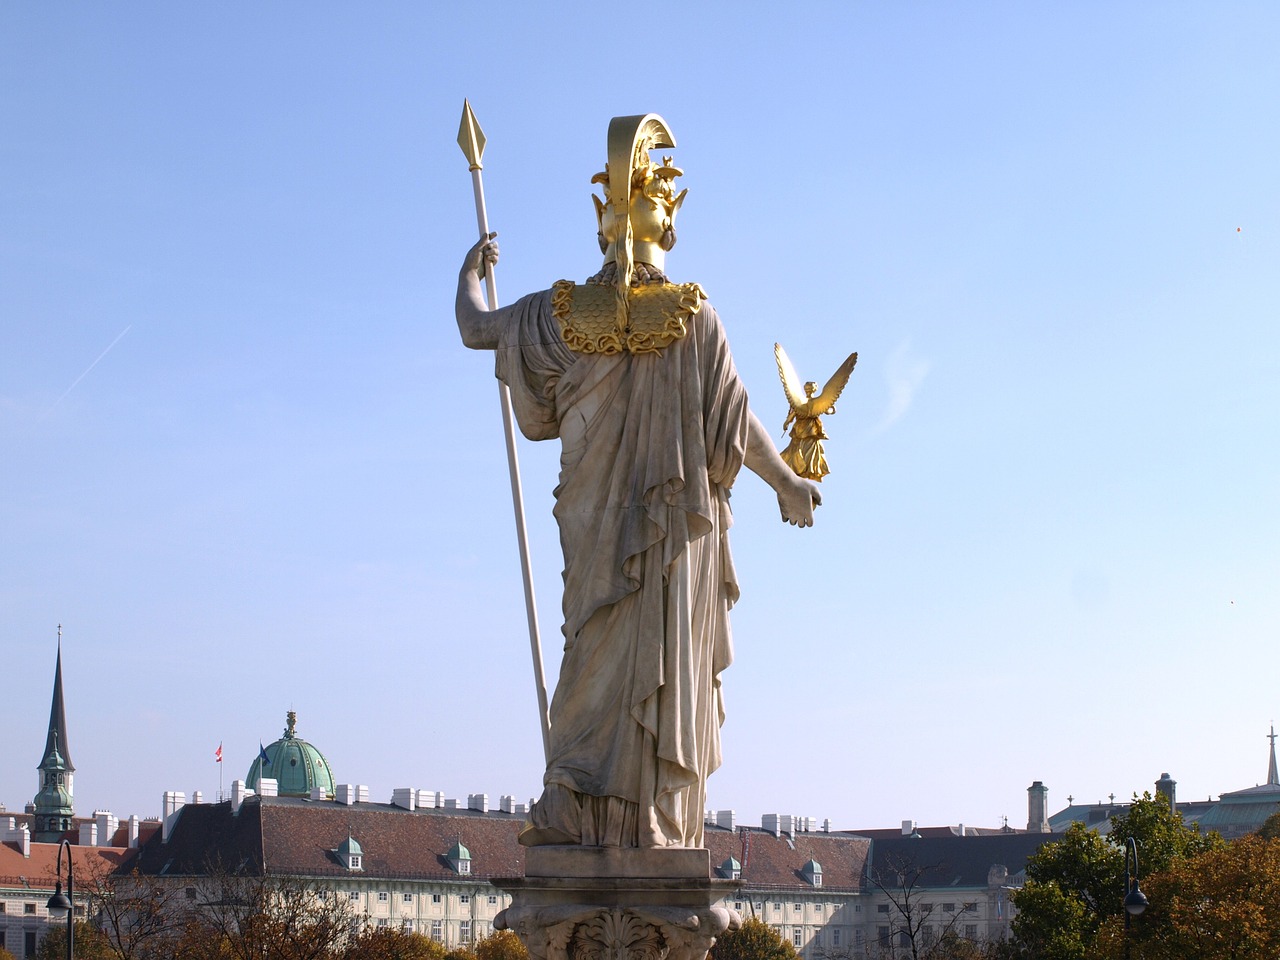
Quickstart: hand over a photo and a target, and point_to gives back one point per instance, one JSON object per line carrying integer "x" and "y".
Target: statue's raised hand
{"x": 483, "y": 252}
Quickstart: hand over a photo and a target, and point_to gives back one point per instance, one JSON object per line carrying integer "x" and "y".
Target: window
{"x": 29, "y": 943}
{"x": 797, "y": 936}
{"x": 970, "y": 908}
{"x": 2, "y": 906}
{"x": 29, "y": 909}
{"x": 971, "y": 931}
{"x": 948, "y": 908}
{"x": 354, "y": 895}
{"x": 777, "y": 908}
{"x": 437, "y": 933}
{"x": 407, "y": 898}
{"x": 817, "y": 939}
{"x": 435, "y": 898}
{"x": 79, "y": 910}
{"x": 382, "y": 896}
{"x": 882, "y": 934}
{"x": 835, "y": 937}
{"x": 882, "y": 908}
{"x": 926, "y": 908}
{"x": 406, "y": 925}
{"x": 191, "y": 893}
{"x": 737, "y": 906}
{"x": 464, "y": 866}
{"x": 465, "y": 900}
{"x": 493, "y": 900}
{"x": 818, "y": 907}
{"x": 353, "y": 862}
{"x": 464, "y": 931}
{"x": 382, "y": 923}
{"x": 796, "y": 908}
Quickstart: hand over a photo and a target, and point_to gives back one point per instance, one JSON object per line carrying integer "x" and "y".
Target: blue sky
{"x": 249, "y": 467}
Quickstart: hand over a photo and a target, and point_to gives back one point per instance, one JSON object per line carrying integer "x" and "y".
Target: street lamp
{"x": 60, "y": 904}
{"x": 1135, "y": 901}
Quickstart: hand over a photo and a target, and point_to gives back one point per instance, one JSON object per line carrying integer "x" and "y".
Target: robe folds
{"x": 650, "y": 445}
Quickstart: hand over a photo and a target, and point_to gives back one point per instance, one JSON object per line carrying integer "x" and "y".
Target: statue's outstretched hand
{"x": 482, "y": 253}
{"x": 797, "y": 500}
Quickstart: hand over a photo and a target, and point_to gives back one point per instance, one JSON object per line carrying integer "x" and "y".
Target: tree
{"x": 387, "y": 943}
{"x": 1270, "y": 829}
{"x": 1225, "y": 902}
{"x": 90, "y": 944}
{"x": 237, "y": 917}
{"x": 140, "y": 918}
{"x": 1072, "y": 904}
{"x": 754, "y": 940}
{"x": 917, "y": 931}
{"x": 501, "y": 945}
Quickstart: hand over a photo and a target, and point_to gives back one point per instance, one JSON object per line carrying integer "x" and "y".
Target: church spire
{"x": 53, "y": 804}
{"x": 1272, "y": 776}
{"x": 56, "y": 739}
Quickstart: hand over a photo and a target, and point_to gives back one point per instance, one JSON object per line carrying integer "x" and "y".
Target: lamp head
{"x": 58, "y": 906}
{"x": 1135, "y": 900}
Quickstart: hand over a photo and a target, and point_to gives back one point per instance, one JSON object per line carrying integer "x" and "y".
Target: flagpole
{"x": 471, "y": 139}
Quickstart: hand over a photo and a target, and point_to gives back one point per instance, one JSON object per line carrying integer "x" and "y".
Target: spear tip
{"x": 470, "y": 136}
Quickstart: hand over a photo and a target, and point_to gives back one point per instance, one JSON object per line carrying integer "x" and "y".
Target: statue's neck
{"x": 641, "y": 273}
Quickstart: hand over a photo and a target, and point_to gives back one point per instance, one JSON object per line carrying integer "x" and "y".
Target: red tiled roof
{"x": 38, "y": 870}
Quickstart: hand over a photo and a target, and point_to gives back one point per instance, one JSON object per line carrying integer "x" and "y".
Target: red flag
{"x": 217, "y": 754}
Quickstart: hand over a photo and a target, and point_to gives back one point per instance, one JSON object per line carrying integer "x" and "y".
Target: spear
{"x": 471, "y": 139}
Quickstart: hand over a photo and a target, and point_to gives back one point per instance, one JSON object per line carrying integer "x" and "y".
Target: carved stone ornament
{"x": 602, "y": 903}
{"x": 589, "y": 932}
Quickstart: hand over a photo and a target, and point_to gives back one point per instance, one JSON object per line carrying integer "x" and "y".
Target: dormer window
{"x": 354, "y": 861}
{"x": 459, "y": 858}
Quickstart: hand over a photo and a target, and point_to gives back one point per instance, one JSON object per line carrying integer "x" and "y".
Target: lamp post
{"x": 60, "y": 904}
{"x": 1135, "y": 901}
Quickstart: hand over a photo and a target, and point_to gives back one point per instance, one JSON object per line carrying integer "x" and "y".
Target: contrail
{"x": 118, "y": 338}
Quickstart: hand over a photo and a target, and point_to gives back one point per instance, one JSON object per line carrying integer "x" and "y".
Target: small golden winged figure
{"x": 804, "y": 453}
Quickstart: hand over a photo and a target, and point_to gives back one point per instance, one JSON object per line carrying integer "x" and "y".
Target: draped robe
{"x": 651, "y": 444}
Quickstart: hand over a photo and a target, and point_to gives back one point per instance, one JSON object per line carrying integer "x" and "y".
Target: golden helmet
{"x": 637, "y": 215}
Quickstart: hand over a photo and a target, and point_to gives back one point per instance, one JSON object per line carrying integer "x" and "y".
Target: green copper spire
{"x": 54, "y": 803}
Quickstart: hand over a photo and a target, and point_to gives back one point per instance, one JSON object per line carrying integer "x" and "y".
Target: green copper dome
{"x": 295, "y": 765}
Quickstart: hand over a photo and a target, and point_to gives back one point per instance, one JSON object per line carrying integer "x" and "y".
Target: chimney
{"x": 1037, "y": 808}
{"x": 1167, "y": 787}
{"x": 108, "y": 823}
{"x": 133, "y": 832}
{"x": 826, "y": 825}
{"x": 20, "y": 836}
{"x": 726, "y": 819}
{"x": 362, "y": 793}
{"x": 89, "y": 834}
{"x": 404, "y": 798}
{"x": 772, "y": 823}
{"x": 426, "y": 800}
{"x": 345, "y": 794}
{"x": 908, "y": 827}
{"x": 174, "y": 801}
{"x": 317, "y": 793}
{"x": 197, "y": 796}
{"x": 268, "y": 787}
{"x": 239, "y": 793}
{"x": 478, "y": 801}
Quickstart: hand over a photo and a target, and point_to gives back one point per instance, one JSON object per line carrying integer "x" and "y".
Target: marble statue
{"x": 634, "y": 375}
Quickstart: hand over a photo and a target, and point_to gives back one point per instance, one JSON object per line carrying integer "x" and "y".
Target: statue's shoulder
{"x": 594, "y": 319}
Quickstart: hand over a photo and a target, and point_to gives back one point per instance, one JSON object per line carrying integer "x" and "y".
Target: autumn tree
{"x": 141, "y": 919}
{"x": 387, "y": 943}
{"x": 501, "y": 945}
{"x": 1071, "y": 906}
{"x": 754, "y": 940}
{"x": 236, "y": 917}
{"x": 89, "y": 944}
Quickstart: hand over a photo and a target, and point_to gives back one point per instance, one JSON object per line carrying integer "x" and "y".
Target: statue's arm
{"x": 796, "y": 496}
{"x": 480, "y": 327}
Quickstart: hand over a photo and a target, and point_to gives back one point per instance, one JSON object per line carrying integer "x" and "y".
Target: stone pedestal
{"x": 610, "y": 903}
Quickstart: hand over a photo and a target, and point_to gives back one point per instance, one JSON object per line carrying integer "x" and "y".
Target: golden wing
{"x": 835, "y": 386}
{"x": 792, "y": 385}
